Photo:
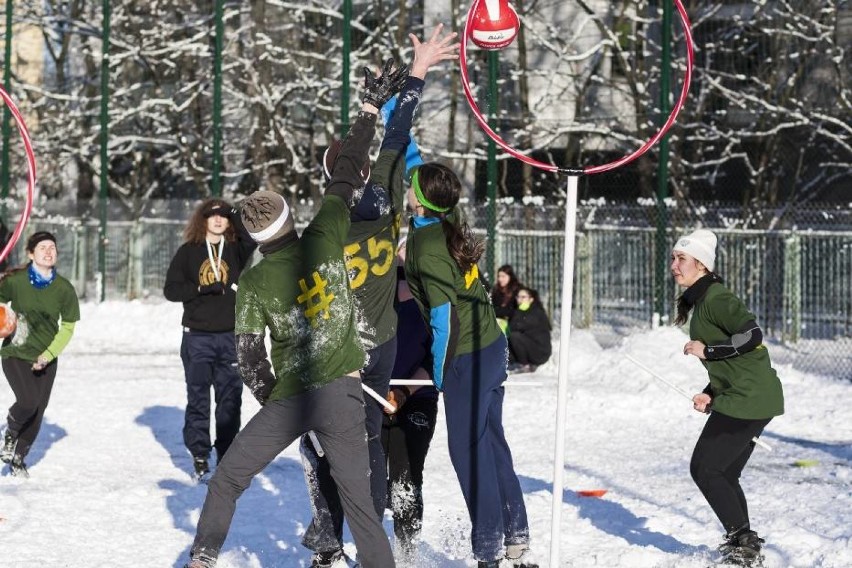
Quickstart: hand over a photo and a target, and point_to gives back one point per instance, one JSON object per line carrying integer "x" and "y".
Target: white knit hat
{"x": 266, "y": 216}
{"x": 700, "y": 245}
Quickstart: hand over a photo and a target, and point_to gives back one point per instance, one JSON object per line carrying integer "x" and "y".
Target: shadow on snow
{"x": 614, "y": 519}
{"x": 270, "y": 517}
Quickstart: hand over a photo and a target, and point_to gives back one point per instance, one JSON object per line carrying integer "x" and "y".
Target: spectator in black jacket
{"x": 529, "y": 333}
{"x": 203, "y": 275}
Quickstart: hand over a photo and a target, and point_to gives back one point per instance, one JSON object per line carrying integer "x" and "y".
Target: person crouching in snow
{"x": 529, "y": 333}
{"x": 744, "y": 393}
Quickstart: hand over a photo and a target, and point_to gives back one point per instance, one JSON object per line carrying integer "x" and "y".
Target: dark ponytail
{"x": 683, "y": 309}
{"x": 442, "y": 188}
{"x": 465, "y": 247}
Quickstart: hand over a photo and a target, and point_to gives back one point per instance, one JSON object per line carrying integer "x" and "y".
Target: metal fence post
{"x": 792, "y": 287}
{"x": 585, "y": 294}
{"x": 7, "y": 114}
{"x": 78, "y": 265}
{"x": 135, "y": 268}
{"x": 216, "y": 185}
{"x": 104, "y": 140}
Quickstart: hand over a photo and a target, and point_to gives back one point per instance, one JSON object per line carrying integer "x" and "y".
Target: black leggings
{"x": 721, "y": 453}
{"x": 32, "y": 393}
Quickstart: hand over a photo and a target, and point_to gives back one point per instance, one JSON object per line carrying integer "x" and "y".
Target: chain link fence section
{"x": 796, "y": 279}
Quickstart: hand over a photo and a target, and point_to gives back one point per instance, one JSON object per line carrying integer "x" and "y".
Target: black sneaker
{"x": 488, "y": 564}
{"x": 9, "y": 444}
{"x": 18, "y": 467}
{"x": 201, "y": 466}
{"x": 328, "y": 559}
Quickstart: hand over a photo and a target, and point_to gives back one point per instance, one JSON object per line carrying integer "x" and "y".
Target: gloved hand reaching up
{"x": 378, "y": 90}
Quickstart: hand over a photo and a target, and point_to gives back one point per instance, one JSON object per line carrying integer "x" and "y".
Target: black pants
{"x": 32, "y": 393}
{"x": 210, "y": 360}
{"x": 721, "y": 453}
{"x": 325, "y": 533}
{"x": 406, "y": 436}
{"x": 526, "y": 351}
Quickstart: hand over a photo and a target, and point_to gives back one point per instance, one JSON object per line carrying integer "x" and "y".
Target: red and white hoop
{"x": 31, "y": 176}
{"x": 687, "y": 78}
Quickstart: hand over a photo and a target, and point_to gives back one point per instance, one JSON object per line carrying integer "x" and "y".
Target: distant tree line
{"x": 768, "y": 120}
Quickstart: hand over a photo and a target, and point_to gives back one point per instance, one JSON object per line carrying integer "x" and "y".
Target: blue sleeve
{"x": 444, "y": 323}
{"x": 412, "y": 155}
{"x": 398, "y": 114}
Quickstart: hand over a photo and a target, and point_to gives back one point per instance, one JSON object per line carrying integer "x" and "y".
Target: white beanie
{"x": 700, "y": 245}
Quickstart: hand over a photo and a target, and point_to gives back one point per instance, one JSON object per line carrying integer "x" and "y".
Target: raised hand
{"x": 435, "y": 50}
{"x": 378, "y": 90}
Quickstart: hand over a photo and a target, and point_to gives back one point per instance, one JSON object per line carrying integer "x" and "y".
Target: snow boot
{"x": 18, "y": 467}
{"x": 742, "y": 548}
{"x": 201, "y": 559}
{"x": 9, "y": 444}
{"x": 329, "y": 559}
{"x": 201, "y": 466}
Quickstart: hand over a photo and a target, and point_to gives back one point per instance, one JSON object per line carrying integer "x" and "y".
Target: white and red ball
{"x": 495, "y": 24}
{"x": 8, "y": 321}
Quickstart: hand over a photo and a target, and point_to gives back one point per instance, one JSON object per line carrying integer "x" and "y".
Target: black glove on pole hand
{"x": 379, "y": 90}
{"x": 217, "y": 288}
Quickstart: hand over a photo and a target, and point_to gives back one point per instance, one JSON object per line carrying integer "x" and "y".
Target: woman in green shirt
{"x": 47, "y": 310}
{"x": 744, "y": 393}
{"x": 468, "y": 364}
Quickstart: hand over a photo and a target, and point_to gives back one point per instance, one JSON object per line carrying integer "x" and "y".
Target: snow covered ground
{"x": 110, "y": 479}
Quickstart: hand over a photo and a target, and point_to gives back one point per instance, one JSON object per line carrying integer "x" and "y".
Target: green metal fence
{"x": 798, "y": 283}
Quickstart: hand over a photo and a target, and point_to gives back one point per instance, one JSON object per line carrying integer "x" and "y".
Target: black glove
{"x": 215, "y": 289}
{"x": 379, "y": 90}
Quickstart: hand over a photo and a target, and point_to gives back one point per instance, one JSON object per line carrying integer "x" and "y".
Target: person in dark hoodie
{"x": 202, "y": 275}
{"x": 743, "y": 395}
{"x": 529, "y": 333}
{"x": 299, "y": 295}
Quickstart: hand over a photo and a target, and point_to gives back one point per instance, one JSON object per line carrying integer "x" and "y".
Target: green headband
{"x": 415, "y": 183}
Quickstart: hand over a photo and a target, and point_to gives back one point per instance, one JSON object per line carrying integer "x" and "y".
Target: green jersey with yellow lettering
{"x": 374, "y": 234}
{"x": 435, "y": 279}
{"x": 371, "y": 251}
{"x": 311, "y": 316}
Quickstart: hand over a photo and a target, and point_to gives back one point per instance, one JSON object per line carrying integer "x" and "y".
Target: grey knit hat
{"x": 266, "y": 216}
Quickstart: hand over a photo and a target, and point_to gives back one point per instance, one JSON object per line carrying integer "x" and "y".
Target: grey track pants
{"x": 335, "y": 413}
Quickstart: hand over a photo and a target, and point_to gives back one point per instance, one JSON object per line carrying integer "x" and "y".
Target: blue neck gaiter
{"x": 39, "y": 281}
